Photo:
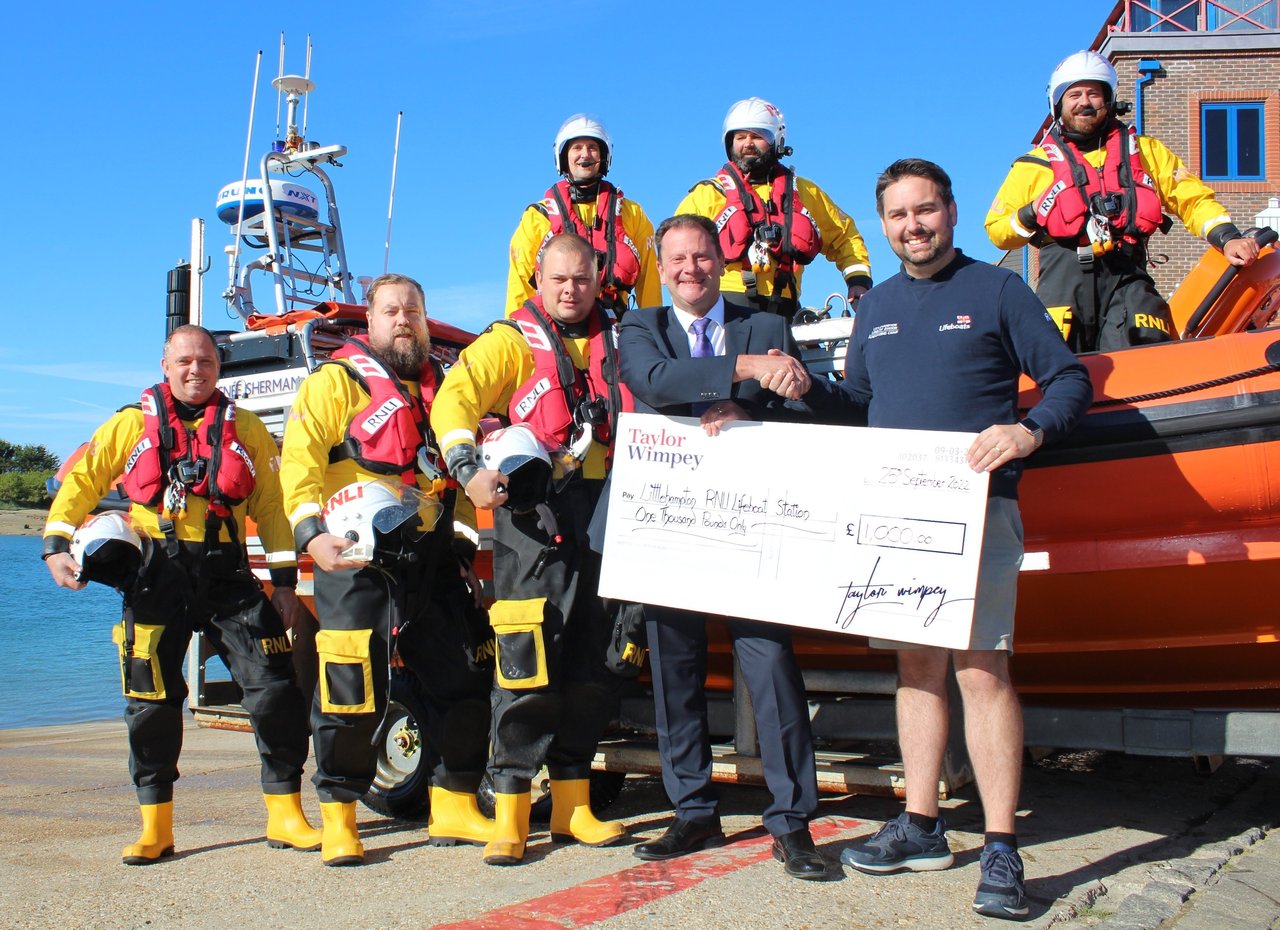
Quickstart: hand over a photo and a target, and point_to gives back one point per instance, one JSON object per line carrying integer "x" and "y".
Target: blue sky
{"x": 124, "y": 121}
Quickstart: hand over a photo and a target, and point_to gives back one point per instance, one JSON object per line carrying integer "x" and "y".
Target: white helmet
{"x": 108, "y": 550}
{"x": 1077, "y": 67}
{"x": 581, "y": 126}
{"x": 761, "y": 117}
{"x": 517, "y": 453}
{"x": 375, "y": 515}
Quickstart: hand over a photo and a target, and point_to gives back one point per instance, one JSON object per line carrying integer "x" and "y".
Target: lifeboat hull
{"x": 1153, "y": 534}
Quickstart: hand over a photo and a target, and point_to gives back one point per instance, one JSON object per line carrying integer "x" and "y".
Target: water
{"x": 57, "y": 661}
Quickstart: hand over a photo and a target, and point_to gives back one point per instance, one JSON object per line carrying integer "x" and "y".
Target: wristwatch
{"x": 1034, "y": 430}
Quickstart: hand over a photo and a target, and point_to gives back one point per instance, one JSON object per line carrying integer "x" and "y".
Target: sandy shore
{"x": 1101, "y": 834}
{"x": 22, "y": 522}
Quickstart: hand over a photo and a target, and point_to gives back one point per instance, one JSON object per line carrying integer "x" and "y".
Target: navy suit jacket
{"x": 653, "y": 353}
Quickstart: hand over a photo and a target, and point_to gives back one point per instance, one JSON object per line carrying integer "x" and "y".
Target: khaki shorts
{"x": 997, "y": 594}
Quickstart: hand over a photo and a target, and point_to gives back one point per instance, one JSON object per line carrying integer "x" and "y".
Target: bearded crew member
{"x": 772, "y": 223}
{"x": 584, "y": 203}
{"x": 1089, "y": 198}
{"x": 193, "y": 465}
{"x": 554, "y": 368}
{"x": 425, "y": 606}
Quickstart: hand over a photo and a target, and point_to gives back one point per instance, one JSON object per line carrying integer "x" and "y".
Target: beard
{"x": 935, "y": 248}
{"x": 406, "y": 360}
{"x": 754, "y": 164}
{"x": 1085, "y": 122}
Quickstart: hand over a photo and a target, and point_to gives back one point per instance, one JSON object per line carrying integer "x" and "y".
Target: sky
{"x": 124, "y": 121}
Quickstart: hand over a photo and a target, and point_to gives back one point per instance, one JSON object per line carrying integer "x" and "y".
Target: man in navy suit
{"x": 722, "y": 362}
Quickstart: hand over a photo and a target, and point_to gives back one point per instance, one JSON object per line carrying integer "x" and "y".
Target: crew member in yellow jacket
{"x": 552, "y": 370}
{"x": 584, "y": 203}
{"x": 1089, "y": 197}
{"x": 771, "y": 221}
{"x": 358, "y": 432}
{"x": 193, "y": 464}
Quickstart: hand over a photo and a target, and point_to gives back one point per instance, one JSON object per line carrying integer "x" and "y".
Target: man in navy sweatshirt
{"x": 940, "y": 346}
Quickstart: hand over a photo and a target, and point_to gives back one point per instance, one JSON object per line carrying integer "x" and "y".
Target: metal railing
{"x": 1198, "y": 15}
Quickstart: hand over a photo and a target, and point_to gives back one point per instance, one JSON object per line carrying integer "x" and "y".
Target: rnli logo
{"x": 275, "y": 645}
{"x": 1052, "y": 152}
{"x": 346, "y": 496}
{"x": 140, "y": 448}
{"x": 1046, "y": 204}
{"x": 963, "y": 321}
{"x": 724, "y": 217}
{"x": 378, "y": 419}
{"x": 884, "y": 329}
{"x": 244, "y": 455}
{"x": 526, "y": 404}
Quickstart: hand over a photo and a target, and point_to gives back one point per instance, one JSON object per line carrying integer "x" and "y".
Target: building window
{"x": 1164, "y": 16}
{"x": 1231, "y": 137}
{"x": 1238, "y": 15}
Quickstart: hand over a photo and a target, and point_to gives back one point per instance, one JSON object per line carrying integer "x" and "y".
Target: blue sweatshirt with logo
{"x": 945, "y": 353}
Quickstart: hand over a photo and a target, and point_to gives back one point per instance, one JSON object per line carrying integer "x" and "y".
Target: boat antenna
{"x": 391, "y": 201}
{"x": 307, "y": 99}
{"x": 279, "y": 73}
{"x": 244, "y": 174}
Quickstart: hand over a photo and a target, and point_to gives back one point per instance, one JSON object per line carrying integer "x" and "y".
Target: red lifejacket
{"x": 168, "y": 448}
{"x": 1064, "y": 211}
{"x": 387, "y": 434}
{"x": 798, "y": 240}
{"x": 553, "y": 400}
{"x": 617, "y": 255}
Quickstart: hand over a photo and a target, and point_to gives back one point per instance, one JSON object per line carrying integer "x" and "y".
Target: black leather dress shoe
{"x": 801, "y": 859}
{"x": 683, "y": 836}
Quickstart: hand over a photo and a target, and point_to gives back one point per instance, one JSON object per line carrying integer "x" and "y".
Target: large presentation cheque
{"x": 871, "y": 531}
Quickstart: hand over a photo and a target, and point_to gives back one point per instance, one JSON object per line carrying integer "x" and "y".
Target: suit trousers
{"x": 678, "y": 655}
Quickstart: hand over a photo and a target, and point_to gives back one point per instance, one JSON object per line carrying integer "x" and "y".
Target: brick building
{"x": 1203, "y": 77}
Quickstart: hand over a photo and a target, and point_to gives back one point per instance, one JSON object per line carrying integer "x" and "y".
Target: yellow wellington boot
{"x": 287, "y": 825}
{"x": 455, "y": 819}
{"x": 340, "y": 843}
{"x": 510, "y": 829}
{"x": 571, "y": 817}
{"x": 156, "y": 841}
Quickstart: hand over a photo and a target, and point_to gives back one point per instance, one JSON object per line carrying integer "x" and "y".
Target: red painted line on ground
{"x": 610, "y": 895}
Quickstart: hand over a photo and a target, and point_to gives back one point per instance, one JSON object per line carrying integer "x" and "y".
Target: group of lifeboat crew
{"x": 534, "y": 679}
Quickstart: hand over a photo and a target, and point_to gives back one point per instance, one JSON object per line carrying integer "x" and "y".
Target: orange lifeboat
{"x": 1153, "y": 531}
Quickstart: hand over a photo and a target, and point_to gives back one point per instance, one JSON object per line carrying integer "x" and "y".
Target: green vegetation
{"x": 23, "y": 472}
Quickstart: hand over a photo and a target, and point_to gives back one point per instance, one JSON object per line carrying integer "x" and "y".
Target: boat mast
{"x": 391, "y": 200}
{"x": 234, "y": 248}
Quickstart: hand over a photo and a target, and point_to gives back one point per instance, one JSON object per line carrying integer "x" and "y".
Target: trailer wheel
{"x": 401, "y": 782}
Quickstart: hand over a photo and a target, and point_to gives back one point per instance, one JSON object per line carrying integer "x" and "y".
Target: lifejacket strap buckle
{"x": 1085, "y": 256}
{"x": 170, "y": 531}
